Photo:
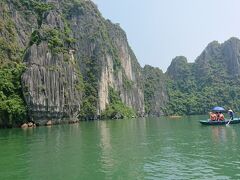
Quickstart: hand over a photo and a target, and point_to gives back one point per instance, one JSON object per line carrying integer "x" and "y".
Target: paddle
{"x": 228, "y": 122}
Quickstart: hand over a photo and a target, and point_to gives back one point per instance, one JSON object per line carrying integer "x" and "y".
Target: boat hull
{"x": 209, "y": 122}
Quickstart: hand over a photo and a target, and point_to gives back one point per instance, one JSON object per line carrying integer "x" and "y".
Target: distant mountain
{"x": 220, "y": 61}
{"x": 211, "y": 80}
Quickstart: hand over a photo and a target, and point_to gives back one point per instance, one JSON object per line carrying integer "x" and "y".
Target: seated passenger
{"x": 221, "y": 117}
{"x": 213, "y": 116}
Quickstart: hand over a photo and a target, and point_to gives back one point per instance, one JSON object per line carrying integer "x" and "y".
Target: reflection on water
{"x": 219, "y": 133}
{"x": 106, "y": 147}
{"x": 151, "y": 148}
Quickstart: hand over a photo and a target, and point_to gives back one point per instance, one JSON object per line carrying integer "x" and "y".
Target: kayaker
{"x": 213, "y": 116}
{"x": 230, "y": 112}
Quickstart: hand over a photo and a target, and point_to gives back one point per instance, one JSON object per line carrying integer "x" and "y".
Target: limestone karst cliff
{"x": 106, "y": 60}
{"x": 72, "y": 57}
{"x": 211, "y": 80}
{"x": 61, "y": 60}
{"x": 155, "y": 90}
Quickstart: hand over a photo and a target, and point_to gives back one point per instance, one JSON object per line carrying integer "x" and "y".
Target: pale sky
{"x": 159, "y": 30}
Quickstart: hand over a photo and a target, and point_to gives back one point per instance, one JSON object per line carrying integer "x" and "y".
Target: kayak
{"x": 210, "y": 122}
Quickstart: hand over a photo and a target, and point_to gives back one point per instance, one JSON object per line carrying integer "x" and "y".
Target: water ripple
{"x": 128, "y": 149}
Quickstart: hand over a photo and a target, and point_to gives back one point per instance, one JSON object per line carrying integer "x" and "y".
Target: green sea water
{"x": 148, "y": 148}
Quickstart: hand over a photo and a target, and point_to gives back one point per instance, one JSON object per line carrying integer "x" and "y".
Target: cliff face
{"x": 219, "y": 62}
{"x": 50, "y": 85}
{"x": 51, "y": 78}
{"x": 72, "y": 57}
{"x": 128, "y": 79}
{"x": 105, "y": 59}
{"x": 155, "y": 91}
{"x": 211, "y": 80}
{"x": 231, "y": 52}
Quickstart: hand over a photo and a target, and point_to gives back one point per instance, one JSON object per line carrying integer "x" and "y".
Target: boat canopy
{"x": 218, "y": 108}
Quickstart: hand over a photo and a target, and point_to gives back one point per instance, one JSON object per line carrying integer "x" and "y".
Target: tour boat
{"x": 226, "y": 121}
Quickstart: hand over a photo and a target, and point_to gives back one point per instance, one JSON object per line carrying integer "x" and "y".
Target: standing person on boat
{"x": 231, "y": 114}
{"x": 213, "y": 116}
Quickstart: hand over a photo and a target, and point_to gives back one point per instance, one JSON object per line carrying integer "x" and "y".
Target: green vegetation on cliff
{"x": 116, "y": 109}
{"x": 202, "y": 100}
{"x": 12, "y": 106}
{"x": 155, "y": 93}
{"x": 194, "y": 88}
{"x": 34, "y": 6}
{"x": 90, "y": 92}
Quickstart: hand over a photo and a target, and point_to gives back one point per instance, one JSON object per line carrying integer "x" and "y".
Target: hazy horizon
{"x": 159, "y": 30}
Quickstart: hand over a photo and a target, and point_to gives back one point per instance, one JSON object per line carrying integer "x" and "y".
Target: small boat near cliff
{"x": 224, "y": 122}
{"x": 217, "y": 118}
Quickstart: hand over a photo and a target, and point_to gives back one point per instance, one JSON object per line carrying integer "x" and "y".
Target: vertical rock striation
{"x": 51, "y": 80}
{"x": 128, "y": 79}
{"x": 60, "y": 39}
{"x": 49, "y": 86}
{"x": 104, "y": 54}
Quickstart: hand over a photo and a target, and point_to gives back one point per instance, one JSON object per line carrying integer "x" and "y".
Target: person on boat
{"x": 230, "y": 112}
{"x": 213, "y": 116}
{"x": 221, "y": 116}
{"x": 217, "y": 116}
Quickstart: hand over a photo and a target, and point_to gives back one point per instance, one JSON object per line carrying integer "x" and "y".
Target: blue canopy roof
{"x": 218, "y": 108}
